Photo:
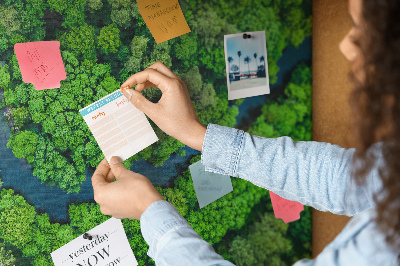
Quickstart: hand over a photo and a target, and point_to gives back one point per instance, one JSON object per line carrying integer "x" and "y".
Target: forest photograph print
{"x": 48, "y": 153}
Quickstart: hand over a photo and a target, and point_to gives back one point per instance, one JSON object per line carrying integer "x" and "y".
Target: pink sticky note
{"x": 284, "y": 209}
{"x": 41, "y": 63}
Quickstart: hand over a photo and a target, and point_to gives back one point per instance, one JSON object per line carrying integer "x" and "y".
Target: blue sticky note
{"x": 209, "y": 186}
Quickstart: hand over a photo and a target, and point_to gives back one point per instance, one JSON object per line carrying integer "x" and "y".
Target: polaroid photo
{"x": 246, "y": 64}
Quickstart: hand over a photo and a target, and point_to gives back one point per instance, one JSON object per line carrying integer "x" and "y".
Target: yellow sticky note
{"x": 164, "y": 19}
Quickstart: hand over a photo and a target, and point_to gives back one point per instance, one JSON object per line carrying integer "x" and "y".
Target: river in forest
{"x": 17, "y": 173}
{"x": 251, "y": 107}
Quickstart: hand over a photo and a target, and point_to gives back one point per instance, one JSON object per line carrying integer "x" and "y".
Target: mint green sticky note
{"x": 209, "y": 186}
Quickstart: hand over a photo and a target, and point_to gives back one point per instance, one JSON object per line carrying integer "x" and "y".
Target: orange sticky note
{"x": 41, "y": 63}
{"x": 164, "y": 19}
{"x": 284, "y": 209}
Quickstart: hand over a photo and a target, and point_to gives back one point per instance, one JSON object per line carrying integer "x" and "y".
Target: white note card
{"x": 108, "y": 247}
{"x": 118, "y": 126}
{"x": 209, "y": 186}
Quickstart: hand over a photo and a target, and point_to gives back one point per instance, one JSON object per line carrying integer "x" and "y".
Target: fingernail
{"x": 115, "y": 160}
{"x": 128, "y": 94}
{"x": 125, "y": 88}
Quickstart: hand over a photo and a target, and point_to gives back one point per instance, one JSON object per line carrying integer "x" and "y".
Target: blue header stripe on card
{"x": 94, "y": 106}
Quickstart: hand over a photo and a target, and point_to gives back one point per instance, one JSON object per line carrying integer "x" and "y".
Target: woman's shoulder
{"x": 362, "y": 241}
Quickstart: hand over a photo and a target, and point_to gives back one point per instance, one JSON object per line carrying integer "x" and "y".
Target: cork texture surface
{"x": 331, "y": 89}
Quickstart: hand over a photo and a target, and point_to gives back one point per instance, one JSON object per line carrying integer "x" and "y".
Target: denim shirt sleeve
{"x": 172, "y": 240}
{"x": 313, "y": 173}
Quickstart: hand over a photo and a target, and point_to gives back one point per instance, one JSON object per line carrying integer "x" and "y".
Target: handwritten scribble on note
{"x": 164, "y": 18}
{"x": 41, "y": 63}
{"x": 209, "y": 186}
{"x": 284, "y": 209}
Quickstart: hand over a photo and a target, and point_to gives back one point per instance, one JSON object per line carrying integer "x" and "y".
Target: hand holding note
{"x": 128, "y": 197}
{"x": 174, "y": 113}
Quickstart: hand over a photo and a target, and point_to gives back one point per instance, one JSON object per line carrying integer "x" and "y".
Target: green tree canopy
{"x": 6, "y": 256}
{"x": 81, "y": 41}
{"x": 94, "y": 5}
{"x": 72, "y": 11}
{"x": 265, "y": 244}
{"x": 138, "y": 47}
{"x": 24, "y": 145}
{"x": 16, "y": 219}
{"x": 160, "y": 53}
{"x": 4, "y": 77}
{"x": 109, "y": 38}
{"x": 9, "y": 21}
{"x": 122, "y": 12}
{"x": 185, "y": 50}
{"x": 289, "y": 115}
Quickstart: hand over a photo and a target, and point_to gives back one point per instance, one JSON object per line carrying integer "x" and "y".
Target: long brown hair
{"x": 375, "y": 103}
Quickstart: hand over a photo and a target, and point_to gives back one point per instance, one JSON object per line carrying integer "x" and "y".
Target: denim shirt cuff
{"x": 221, "y": 151}
{"x": 157, "y": 220}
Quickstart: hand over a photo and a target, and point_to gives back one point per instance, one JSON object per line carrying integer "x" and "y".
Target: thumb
{"x": 117, "y": 168}
{"x": 99, "y": 176}
{"x": 139, "y": 101}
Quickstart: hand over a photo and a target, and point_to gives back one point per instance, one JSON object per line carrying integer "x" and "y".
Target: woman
{"x": 317, "y": 174}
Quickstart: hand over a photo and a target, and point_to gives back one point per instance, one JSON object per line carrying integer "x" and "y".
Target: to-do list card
{"x": 118, "y": 126}
{"x": 209, "y": 186}
{"x": 108, "y": 246}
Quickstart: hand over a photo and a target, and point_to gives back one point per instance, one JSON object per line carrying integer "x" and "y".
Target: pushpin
{"x": 88, "y": 236}
{"x": 246, "y": 36}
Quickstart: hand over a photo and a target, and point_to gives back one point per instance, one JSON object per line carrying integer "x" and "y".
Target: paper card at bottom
{"x": 108, "y": 247}
{"x": 209, "y": 186}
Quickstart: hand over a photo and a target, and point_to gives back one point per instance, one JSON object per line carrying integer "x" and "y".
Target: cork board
{"x": 331, "y": 89}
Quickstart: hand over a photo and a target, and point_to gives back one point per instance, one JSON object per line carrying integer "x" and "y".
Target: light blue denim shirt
{"x": 313, "y": 173}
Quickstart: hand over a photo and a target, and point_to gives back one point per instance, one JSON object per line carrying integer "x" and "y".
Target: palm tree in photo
{"x": 239, "y": 54}
{"x": 247, "y": 60}
{"x": 230, "y": 59}
{"x": 262, "y": 59}
{"x": 255, "y": 58}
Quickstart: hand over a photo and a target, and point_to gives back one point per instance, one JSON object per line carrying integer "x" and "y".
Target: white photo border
{"x": 247, "y": 92}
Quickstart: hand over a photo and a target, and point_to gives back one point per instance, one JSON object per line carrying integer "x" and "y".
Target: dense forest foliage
{"x": 103, "y": 42}
{"x": 227, "y": 223}
{"x": 290, "y": 113}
